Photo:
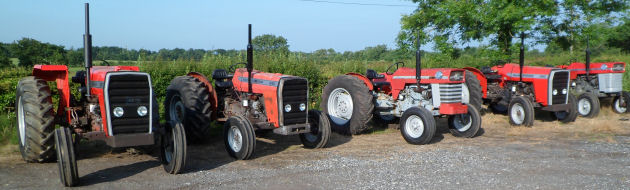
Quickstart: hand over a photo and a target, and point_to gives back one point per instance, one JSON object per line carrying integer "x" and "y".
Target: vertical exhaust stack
{"x": 588, "y": 59}
{"x": 87, "y": 48}
{"x": 250, "y": 59}
{"x": 521, "y": 57}
{"x": 418, "y": 62}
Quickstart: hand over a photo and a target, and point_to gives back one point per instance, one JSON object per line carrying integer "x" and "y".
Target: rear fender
{"x": 213, "y": 94}
{"x": 482, "y": 80}
{"x": 58, "y": 74}
{"x": 365, "y": 80}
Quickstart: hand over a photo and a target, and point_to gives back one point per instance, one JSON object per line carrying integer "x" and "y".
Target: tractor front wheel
{"x": 417, "y": 126}
{"x": 173, "y": 148}
{"x": 521, "y": 111}
{"x": 347, "y": 102}
{"x": 320, "y": 130}
{"x": 621, "y": 104}
{"x": 35, "y": 120}
{"x": 588, "y": 105}
{"x": 239, "y": 137}
{"x": 569, "y": 115}
{"x": 66, "y": 159}
{"x": 465, "y": 125}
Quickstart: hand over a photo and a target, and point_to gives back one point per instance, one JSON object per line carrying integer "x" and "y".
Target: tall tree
{"x": 4, "y": 56}
{"x": 271, "y": 43}
{"x": 31, "y": 52}
{"x": 449, "y": 22}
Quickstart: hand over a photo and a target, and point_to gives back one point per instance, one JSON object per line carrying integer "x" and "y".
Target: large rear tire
{"x": 569, "y": 115}
{"x": 417, "y": 126}
{"x": 588, "y": 105}
{"x": 521, "y": 112}
{"x": 35, "y": 119}
{"x": 621, "y": 104}
{"x": 348, "y": 104}
{"x": 465, "y": 125}
{"x": 472, "y": 92}
{"x": 320, "y": 130}
{"x": 239, "y": 137}
{"x": 173, "y": 148}
{"x": 188, "y": 102}
{"x": 66, "y": 159}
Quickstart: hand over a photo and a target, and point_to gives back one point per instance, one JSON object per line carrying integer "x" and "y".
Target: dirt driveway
{"x": 587, "y": 154}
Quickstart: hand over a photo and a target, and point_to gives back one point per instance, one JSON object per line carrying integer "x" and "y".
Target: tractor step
{"x": 293, "y": 129}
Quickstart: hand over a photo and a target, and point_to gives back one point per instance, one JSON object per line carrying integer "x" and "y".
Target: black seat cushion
{"x": 220, "y": 74}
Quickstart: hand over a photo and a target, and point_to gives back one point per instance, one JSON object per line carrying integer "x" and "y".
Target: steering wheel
{"x": 392, "y": 65}
{"x": 233, "y": 66}
{"x": 107, "y": 63}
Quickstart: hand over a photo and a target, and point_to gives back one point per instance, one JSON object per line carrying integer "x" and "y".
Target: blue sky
{"x": 157, "y": 24}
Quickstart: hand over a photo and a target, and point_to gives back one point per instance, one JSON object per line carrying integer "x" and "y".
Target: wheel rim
{"x": 235, "y": 139}
{"x": 176, "y": 109}
{"x": 21, "y": 122}
{"x": 169, "y": 149}
{"x": 584, "y": 106}
{"x": 517, "y": 113}
{"x": 340, "y": 106}
{"x": 414, "y": 126}
{"x": 465, "y": 94}
{"x": 618, "y": 106}
{"x": 462, "y": 122}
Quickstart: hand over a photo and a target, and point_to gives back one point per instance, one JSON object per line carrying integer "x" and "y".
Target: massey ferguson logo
{"x": 133, "y": 100}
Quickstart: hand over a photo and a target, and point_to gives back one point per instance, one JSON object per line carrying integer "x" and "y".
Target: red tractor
{"x": 248, "y": 101}
{"x": 117, "y": 106}
{"x": 415, "y": 96}
{"x": 592, "y": 81}
{"x": 523, "y": 88}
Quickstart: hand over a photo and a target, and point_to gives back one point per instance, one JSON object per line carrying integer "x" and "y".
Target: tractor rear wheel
{"x": 35, "y": 119}
{"x": 239, "y": 137}
{"x": 348, "y": 104}
{"x": 521, "y": 111}
{"x": 173, "y": 148}
{"x": 569, "y": 115}
{"x": 188, "y": 102}
{"x": 66, "y": 159}
{"x": 588, "y": 105}
{"x": 417, "y": 126}
{"x": 320, "y": 130}
{"x": 465, "y": 125}
{"x": 621, "y": 104}
{"x": 472, "y": 92}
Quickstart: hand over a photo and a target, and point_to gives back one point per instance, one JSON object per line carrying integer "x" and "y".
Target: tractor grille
{"x": 294, "y": 92}
{"x": 129, "y": 91}
{"x": 559, "y": 81}
{"x": 451, "y": 93}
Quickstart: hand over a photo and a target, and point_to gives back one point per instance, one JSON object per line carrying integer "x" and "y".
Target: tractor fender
{"x": 58, "y": 74}
{"x": 365, "y": 80}
{"x": 213, "y": 94}
{"x": 482, "y": 80}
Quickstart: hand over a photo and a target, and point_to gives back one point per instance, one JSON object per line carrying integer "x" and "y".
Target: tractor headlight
{"x": 142, "y": 111}
{"x": 554, "y": 92}
{"x": 118, "y": 111}
{"x": 513, "y": 88}
{"x": 564, "y": 91}
{"x": 618, "y": 67}
{"x": 302, "y": 107}
{"x": 457, "y": 76}
{"x": 573, "y": 84}
{"x": 287, "y": 108}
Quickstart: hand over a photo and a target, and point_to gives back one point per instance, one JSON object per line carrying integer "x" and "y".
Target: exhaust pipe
{"x": 588, "y": 59}
{"x": 418, "y": 62}
{"x": 87, "y": 48}
{"x": 250, "y": 59}
{"x": 521, "y": 57}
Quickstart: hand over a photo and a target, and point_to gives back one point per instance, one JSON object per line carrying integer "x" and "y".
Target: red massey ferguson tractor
{"x": 117, "y": 105}
{"x": 415, "y": 96}
{"x": 523, "y": 88}
{"x": 248, "y": 101}
{"x": 592, "y": 81}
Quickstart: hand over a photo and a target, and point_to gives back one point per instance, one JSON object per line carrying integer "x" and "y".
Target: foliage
{"x": 620, "y": 37}
{"x": 31, "y": 52}
{"x": 271, "y": 43}
{"x": 4, "y": 56}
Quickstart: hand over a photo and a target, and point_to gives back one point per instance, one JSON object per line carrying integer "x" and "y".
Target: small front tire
{"x": 569, "y": 115}
{"x": 417, "y": 126}
{"x": 173, "y": 148}
{"x": 465, "y": 125}
{"x": 239, "y": 138}
{"x": 621, "y": 104}
{"x": 66, "y": 159}
{"x": 521, "y": 112}
{"x": 588, "y": 105}
{"x": 320, "y": 130}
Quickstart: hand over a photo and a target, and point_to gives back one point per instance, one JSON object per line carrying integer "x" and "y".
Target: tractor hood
{"x": 596, "y": 68}
{"x": 99, "y": 72}
{"x": 432, "y": 75}
{"x": 261, "y": 81}
{"x": 511, "y": 71}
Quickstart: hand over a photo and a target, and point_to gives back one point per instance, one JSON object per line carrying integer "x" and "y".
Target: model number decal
{"x": 260, "y": 81}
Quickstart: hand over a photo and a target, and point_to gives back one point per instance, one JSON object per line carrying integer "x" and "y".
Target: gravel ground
{"x": 547, "y": 156}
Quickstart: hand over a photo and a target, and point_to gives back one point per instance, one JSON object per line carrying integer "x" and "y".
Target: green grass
{"x": 8, "y": 131}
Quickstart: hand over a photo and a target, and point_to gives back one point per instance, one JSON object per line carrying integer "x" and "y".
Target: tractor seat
{"x": 371, "y": 74}
{"x": 221, "y": 74}
{"x": 486, "y": 70}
